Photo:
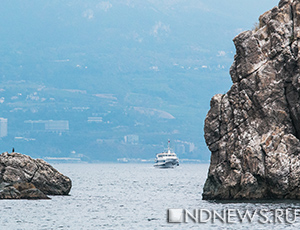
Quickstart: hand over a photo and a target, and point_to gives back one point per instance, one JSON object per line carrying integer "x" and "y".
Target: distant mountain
{"x": 146, "y": 68}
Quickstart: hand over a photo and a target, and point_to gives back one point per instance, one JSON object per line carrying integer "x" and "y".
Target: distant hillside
{"x": 116, "y": 69}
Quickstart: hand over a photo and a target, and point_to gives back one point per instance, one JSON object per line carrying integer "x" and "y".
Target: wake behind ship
{"x": 166, "y": 159}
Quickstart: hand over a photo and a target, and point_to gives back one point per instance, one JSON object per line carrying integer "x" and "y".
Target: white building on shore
{"x": 55, "y": 126}
{"x": 3, "y": 127}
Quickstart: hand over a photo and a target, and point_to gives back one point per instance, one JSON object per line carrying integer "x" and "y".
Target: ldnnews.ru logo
{"x": 232, "y": 216}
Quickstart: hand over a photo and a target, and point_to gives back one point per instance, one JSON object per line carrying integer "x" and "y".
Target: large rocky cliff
{"x": 253, "y": 130}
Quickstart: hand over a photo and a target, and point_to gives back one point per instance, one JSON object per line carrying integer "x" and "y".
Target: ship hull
{"x": 169, "y": 164}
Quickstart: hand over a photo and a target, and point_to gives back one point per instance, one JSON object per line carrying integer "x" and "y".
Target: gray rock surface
{"x": 253, "y": 130}
{"x": 20, "y": 190}
{"x": 22, "y": 177}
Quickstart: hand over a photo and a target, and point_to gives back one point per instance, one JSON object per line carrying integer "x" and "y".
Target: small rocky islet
{"x": 22, "y": 177}
{"x": 253, "y": 130}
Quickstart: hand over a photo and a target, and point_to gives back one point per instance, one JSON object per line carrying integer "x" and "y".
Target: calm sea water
{"x": 130, "y": 196}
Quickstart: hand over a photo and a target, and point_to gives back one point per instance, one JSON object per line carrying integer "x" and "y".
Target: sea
{"x": 139, "y": 196}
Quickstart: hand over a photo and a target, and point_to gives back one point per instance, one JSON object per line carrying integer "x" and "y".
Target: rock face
{"x": 253, "y": 130}
{"x": 20, "y": 190}
{"x": 22, "y": 177}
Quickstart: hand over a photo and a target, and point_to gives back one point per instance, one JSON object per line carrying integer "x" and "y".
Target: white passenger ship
{"x": 167, "y": 159}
